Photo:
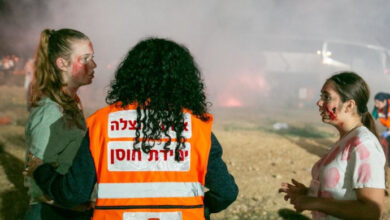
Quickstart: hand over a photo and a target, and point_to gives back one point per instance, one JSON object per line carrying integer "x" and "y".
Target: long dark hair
{"x": 350, "y": 85}
{"x": 47, "y": 79}
{"x": 162, "y": 78}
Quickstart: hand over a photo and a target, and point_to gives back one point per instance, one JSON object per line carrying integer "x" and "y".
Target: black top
{"x": 75, "y": 187}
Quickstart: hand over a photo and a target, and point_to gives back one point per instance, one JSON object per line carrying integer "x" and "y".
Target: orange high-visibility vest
{"x": 135, "y": 185}
{"x": 382, "y": 117}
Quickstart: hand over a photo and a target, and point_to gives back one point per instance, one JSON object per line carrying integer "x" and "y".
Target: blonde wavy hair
{"x": 47, "y": 78}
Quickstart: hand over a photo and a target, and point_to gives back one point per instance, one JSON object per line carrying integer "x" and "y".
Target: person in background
{"x": 151, "y": 150}
{"x": 349, "y": 181}
{"x": 381, "y": 111}
{"x": 56, "y": 125}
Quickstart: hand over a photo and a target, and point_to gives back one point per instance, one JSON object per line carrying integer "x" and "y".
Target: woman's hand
{"x": 32, "y": 163}
{"x": 293, "y": 190}
{"x": 296, "y": 193}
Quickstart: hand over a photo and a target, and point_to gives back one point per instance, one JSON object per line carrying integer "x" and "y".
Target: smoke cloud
{"x": 250, "y": 52}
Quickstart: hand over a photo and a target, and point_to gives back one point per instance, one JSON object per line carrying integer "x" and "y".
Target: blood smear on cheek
{"x": 332, "y": 114}
{"x": 76, "y": 66}
{"x": 79, "y": 67}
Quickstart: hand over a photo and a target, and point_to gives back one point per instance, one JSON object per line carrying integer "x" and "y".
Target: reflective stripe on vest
{"x": 149, "y": 190}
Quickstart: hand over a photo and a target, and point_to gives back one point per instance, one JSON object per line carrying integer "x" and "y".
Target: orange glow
{"x": 232, "y": 102}
{"x": 5, "y": 120}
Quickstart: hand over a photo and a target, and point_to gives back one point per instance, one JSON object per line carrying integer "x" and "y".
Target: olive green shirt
{"x": 51, "y": 138}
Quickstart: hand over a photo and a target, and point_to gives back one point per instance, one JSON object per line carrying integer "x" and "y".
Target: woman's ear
{"x": 350, "y": 106}
{"x": 61, "y": 63}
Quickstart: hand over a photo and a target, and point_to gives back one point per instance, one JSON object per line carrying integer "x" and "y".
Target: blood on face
{"x": 332, "y": 113}
{"x": 79, "y": 67}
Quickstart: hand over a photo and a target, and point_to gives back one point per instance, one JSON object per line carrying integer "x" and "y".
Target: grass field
{"x": 259, "y": 157}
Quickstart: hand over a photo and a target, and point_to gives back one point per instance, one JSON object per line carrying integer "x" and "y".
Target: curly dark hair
{"x": 162, "y": 78}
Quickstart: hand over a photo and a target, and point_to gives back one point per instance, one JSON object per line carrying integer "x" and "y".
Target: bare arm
{"x": 369, "y": 205}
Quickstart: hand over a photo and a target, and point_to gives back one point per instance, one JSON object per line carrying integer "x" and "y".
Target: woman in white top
{"x": 349, "y": 181}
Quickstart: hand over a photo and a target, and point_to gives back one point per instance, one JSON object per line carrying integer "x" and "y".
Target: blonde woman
{"x": 56, "y": 125}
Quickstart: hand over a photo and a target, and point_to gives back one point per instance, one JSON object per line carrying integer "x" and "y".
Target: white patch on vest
{"x": 152, "y": 216}
{"x": 382, "y": 115}
{"x": 122, "y": 124}
{"x": 122, "y": 157}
